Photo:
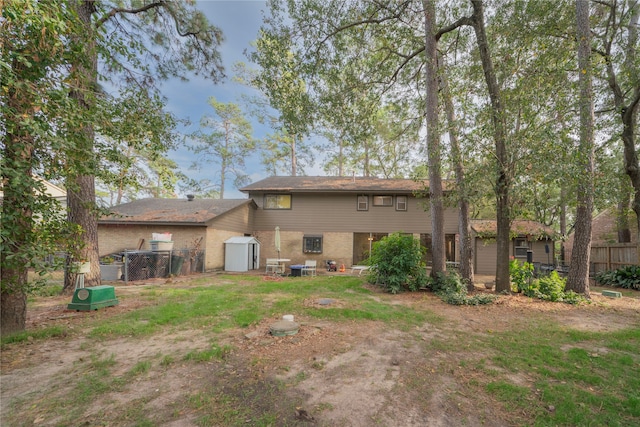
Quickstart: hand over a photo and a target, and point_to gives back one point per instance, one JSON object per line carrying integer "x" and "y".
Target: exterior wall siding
{"x": 239, "y": 220}
{"x": 316, "y": 213}
{"x": 486, "y": 254}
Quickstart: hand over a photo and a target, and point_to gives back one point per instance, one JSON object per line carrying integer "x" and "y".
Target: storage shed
{"x": 242, "y": 253}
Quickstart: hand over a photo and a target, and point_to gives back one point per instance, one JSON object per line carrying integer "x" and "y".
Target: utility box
{"x": 93, "y": 298}
{"x": 242, "y": 253}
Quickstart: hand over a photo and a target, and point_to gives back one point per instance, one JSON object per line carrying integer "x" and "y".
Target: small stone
{"x": 252, "y": 335}
{"x": 551, "y": 408}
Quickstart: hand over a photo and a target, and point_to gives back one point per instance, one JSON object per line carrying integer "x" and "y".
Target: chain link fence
{"x": 142, "y": 265}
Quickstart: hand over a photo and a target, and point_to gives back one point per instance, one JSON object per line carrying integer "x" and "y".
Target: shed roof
{"x": 172, "y": 211}
{"x": 241, "y": 240}
{"x": 489, "y": 227}
{"x": 307, "y": 184}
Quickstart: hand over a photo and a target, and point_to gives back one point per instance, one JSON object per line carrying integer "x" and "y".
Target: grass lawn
{"x": 198, "y": 352}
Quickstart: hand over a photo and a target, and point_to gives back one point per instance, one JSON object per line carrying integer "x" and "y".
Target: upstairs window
{"x": 277, "y": 201}
{"x": 382, "y": 200}
{"x": 363, "y": 203}
{"x": 312, "y": 244}
{"x": 401, "y": 203}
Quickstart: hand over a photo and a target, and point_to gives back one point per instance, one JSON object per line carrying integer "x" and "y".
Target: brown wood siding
{"x": 486, "y": 256}
{"x": 539, "y": 254}
{"x": 316, "y": 213}
{"x": 239, "y": 220}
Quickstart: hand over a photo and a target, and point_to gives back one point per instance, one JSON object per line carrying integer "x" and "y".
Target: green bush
{"x": 397, "y": 263}
{"x": 551, "y": 288}
{"x": 452, "y": 290}
{"x": 627, "y": 277}
{"x": 521, "y": 275}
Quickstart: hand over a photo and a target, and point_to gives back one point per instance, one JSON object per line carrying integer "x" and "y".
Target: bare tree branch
{"x": 116, "y": 10}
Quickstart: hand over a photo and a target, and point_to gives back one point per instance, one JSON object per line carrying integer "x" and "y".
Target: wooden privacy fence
{"x": 611, "y": 257}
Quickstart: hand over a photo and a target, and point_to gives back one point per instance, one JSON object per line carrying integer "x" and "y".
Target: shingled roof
{"x": 171, "y": 211}
{"x": 310, "y": 184}
{"x": 488, "y": 227}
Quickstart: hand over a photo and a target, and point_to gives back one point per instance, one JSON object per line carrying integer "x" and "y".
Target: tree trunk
{"x": 464, "y": 224}
{"x": 503, "y": 168}
{"x": 294, "y": 162}
{"x": 81, "y": 193}
{"x": 433, "y": 141}
{"x": 17, "y": 202}
{"x": 578, "y": 278}
{"x": 622, "y": 218}
{"x": 628, "y": 112}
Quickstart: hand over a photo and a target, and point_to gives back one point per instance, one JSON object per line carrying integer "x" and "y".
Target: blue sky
{"x": 240, "y": 22}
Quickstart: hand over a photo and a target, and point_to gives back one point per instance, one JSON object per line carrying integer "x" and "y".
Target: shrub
{"x": 451, "y": 289}
{"x": 552, "y": 287}
{"x": 521, "y": 275}
{"x": 397, "y": 263}
{"x": 627, "y": 277}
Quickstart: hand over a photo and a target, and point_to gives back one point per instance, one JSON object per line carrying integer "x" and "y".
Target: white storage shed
{"x": 242, "y": 253}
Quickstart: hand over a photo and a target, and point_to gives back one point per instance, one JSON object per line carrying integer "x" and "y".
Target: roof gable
{"x": 173, "y": 211}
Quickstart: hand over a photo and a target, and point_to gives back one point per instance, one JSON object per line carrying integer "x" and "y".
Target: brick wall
{"x": 335, "y": 246}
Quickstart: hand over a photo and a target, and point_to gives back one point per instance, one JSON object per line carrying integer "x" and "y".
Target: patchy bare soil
{"x": 329, "y": 374}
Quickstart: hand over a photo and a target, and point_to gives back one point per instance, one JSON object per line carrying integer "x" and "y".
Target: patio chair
{"x": 309, "y": 268}
{"x": 273, "y": 266}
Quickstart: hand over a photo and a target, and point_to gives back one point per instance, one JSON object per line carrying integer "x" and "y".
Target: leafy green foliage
{"x": 452, "y": 290}
{"x": 397, "y": 263}
{"x": 627, "y": 277}
{"x": 521, "y": 274}
{"x": 552, "y": 288}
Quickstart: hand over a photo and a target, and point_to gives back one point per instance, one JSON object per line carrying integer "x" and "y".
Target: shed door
{"x": 254, "y": 256}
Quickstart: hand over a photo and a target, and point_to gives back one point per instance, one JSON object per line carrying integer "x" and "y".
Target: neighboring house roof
{"x": 172, "y": 211}
{"x": 309, "y": 184}
{"x": 489, "y": 227}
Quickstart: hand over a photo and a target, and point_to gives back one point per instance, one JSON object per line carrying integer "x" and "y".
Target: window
{"x": 363, "y": 203}
{"x": 401, "y": 203}
{"x": 520, "y": 247}
{"x": 382, "y": 201}
{"x": 277, "y": 201}
{"x": 312, "y": 244}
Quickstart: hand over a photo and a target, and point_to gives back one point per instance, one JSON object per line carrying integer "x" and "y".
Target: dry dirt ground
{"x": 329, "y": 374}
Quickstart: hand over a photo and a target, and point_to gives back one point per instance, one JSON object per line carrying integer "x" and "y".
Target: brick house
{"x": 203, "y": 222}
{"x": 319, "y": 218}
{"x": 339, "y": 218}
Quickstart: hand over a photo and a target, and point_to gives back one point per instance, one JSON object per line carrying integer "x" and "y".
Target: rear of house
{"x": 339, "y": 218}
